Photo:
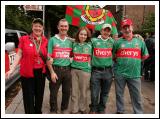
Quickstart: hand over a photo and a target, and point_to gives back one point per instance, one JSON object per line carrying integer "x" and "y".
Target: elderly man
{"x": 129, "y": 52}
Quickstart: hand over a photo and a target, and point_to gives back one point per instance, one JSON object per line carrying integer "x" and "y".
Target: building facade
{"x": 136, "y": 12}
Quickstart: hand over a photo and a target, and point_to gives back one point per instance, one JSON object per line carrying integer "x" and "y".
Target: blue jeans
{"x": 100, "y": 84}
{"x": 134, "y": 86}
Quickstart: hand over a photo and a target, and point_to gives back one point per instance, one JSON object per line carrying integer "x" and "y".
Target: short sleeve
{"x": 21, "y": 43}
{"x": 50, "y": 46}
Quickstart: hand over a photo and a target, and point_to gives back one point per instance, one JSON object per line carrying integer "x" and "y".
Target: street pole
{"x": 124, "y": 12}
{"x": 144, "y": 8}
{"x": 43, "y": 17}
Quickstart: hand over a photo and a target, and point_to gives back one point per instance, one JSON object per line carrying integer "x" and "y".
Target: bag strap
{"x": 35, "y": 43}
{"x": 40, "y": 52}
{"x": 42, "y": 56}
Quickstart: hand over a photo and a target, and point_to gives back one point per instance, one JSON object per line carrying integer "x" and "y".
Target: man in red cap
{"x": 128, "y": 52}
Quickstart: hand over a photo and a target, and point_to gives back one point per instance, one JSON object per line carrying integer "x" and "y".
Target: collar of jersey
{"x": 60, "y": 38}
{"x": 81, "y": 44}
{"x": 100, "y": 37}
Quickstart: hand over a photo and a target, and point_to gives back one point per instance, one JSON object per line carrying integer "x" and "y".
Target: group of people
{"x": 84, "y": 68}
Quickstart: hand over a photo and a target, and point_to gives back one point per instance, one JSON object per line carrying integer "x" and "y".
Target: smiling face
{"x": 127, "y": 30}
{"x": 105, "y": 33}
{"x": 37, "y": 29}
{"x": 63, "y": 27}
{"x": 82, "y": 35}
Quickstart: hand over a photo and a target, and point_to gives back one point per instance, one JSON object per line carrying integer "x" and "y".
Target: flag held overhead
{"x": 91, "y": 16}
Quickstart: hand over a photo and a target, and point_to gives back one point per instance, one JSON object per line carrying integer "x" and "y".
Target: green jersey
{"x": 128, "y": 56}
{"x": 82, "y": 56}
{"x": 60, "y": 50}
{"x": 102, "y": 52}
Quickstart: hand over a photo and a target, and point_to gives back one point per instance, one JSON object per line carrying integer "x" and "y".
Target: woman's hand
{"x": 8, "y": 74}
{"x": 15, "y": 63}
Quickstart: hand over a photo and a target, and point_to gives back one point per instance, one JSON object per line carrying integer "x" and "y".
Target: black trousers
{"x": 64, "y": 78}
{"x": 33, "y": 90}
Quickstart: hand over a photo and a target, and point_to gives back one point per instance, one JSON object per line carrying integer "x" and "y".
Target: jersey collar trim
{"x": 57, "y": 36}
{"x": 100, "y": 37}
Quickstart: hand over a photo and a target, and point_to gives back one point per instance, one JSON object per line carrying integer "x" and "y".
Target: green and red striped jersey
{"x": 128, "y": 56}
{"x": 82, "y": 56}
{"x": 102, "y": 52}
{"x": 60, "y": 50}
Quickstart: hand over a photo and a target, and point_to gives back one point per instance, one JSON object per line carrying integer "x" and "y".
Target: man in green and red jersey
{"x": 129, "y": 52}
{"x": 59, "y": 49}
{"x": 101, "y": 77}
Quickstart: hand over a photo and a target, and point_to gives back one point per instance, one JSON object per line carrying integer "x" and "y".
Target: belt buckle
{"x": 61, "y": 68}
{"x": 104, "y": 68}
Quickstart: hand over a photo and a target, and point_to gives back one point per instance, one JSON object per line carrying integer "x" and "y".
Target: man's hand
{"x": 54, "y": 77}
{"x": 138, "y": 36}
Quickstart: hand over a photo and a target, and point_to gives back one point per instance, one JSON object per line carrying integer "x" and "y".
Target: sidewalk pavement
{"x": 148, "y": 95}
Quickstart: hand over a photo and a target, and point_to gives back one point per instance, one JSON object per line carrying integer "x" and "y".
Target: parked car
{"x": 11, "y": 47}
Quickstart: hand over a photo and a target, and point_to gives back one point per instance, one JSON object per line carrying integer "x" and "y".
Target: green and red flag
{"x": 91, "y": 16}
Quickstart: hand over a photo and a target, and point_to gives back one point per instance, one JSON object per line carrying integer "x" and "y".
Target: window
{"x": 22, "y": 34}
{"x": 12, "y": 37}
{"x": 118, "y": 8}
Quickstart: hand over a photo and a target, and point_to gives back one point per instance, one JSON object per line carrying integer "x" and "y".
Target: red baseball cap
{"x": 126, "y": 22}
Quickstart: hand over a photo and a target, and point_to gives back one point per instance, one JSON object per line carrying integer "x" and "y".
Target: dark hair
{"x": 37, "y": 20}
{"x": 88, "y": 34}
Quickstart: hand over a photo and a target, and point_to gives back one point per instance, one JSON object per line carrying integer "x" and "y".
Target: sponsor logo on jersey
{"x": 103, "y": 52}
{"x": 75, "y": 49}
{"x": 110, "y": 44}
{"x": 56, "y": 45}
{"x": 86, "y": 50}
{"x": 61, "y": 52}
{"x": 98, "y": 44}
{"x": 122, "y": 45}
{"x": 129, "y": 53}
{"x": 81, "y": 57}
{"x": 136, "y": 45}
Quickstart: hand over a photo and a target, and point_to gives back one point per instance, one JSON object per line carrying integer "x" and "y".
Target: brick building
{"x": 136, "y": 12}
